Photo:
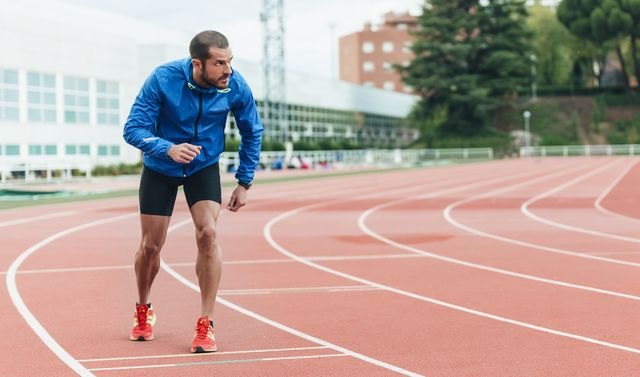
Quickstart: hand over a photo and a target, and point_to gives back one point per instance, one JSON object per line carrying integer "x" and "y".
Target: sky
{"x": 312, "y": 27}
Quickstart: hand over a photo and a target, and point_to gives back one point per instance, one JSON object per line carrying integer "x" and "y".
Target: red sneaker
{"x": 204, "y": 341}
{"x": 143, "y": 320}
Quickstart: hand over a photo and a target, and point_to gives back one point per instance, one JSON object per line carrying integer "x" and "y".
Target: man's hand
{"x": 184, "y": 153}
{"x": 238, "y": 199}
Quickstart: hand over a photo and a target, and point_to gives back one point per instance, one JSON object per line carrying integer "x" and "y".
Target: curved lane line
{"x": 281, "y": 249}
{"x": 363, "y": 226}
{"x": 606, "y": 193}
{"x": 279, "y": 325}
{"x": 63, "y": 355}
{"x": 31, "y": 320}
{"x": 450, "y": 219}
{"x": 524, "y": 208}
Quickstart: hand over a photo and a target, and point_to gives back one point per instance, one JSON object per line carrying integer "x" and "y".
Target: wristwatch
{"x": 246, "y": 185}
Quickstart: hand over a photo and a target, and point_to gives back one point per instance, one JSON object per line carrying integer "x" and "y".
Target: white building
{"x": 68, "y": 76}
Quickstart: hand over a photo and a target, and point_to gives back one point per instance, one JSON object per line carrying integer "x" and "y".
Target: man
{"x": 178, "y": 122}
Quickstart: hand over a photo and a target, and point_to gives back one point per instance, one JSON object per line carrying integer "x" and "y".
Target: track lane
{"x": 241, "y": 252}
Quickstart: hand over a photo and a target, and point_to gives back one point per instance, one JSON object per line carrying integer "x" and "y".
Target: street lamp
{"x": 527, "y": 134}
{"x": 534, "y": 88}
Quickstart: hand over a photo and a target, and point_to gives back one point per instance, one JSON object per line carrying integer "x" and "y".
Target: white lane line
{"x": 427, "y": 254}
{"x": 524, "y": 208}
{"x": 241, "y": 262}
{"x": 279, "y": 325}
{"x": 362, "y": 257}
{"x": 180, "y": 355}
{"x": 31, "y": 320}
{"x": 362, "y": 225}
{"x": 513, "y": 241}
{"x": 60, "y": 352}
{"x": 617, "y": 253}
{"x": 267, "y": 234}
{"x": 201, "y": 363}
{"x": 36, "y": 218}
{"x": 268, "y": 291}
{"x": 28, "y": 316}
{"x": 73, "y": 269}
{"x": 311, "y": 338}
{"x": 608, "y": 190}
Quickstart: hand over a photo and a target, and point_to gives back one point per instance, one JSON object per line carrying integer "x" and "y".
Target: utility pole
{"x": 274, "y": 102}
{"x": 534, "y": 89}
{"x": 527, "y": 133}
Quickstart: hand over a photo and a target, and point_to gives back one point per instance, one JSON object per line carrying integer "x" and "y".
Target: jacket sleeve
{"x": 250, "y": 128}
{"x": 141, "y": 124}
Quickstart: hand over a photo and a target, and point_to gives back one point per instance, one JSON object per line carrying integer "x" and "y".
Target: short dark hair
{"x": 203, "y": 41}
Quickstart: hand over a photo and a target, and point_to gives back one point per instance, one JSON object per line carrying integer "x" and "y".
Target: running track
{"x": 507, "y": 268}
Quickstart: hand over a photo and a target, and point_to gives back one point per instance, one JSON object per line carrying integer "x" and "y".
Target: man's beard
{"x": 211, "y": 83}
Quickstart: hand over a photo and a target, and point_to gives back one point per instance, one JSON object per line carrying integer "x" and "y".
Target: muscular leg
{"x": 147, "y": 258}
{"x": 209, "y": 259}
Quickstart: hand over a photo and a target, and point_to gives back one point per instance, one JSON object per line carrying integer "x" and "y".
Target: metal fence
{"x": 581, "y": 150}
{"x": 360, "y": 157}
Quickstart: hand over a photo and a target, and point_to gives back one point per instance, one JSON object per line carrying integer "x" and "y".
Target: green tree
{"x": 554, "y": 56}
{"x": 440, "y": 71}
{"x": 607, "y": 21}
{"x": 469, "y": 57}
{"x": 502, "y": 55}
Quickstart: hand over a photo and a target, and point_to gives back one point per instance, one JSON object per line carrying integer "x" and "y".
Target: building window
{"x": 388, "y": 67}
{"x": 108, "y": 150}
{"x": 402, "y": 26}
{"x": 406, "y": 47}
{"x": 41, "y": 97}
{"x": 108, "y": 104}
{"x": 12, "y": 150}
{"x": 369, "y": 84}
{"x": 368, "y": 47}
{"x": 408, "y": 88}
{"x": 51, "y": 150}
{"x": 387, "y": 47}
{"x": 9, "y": 94}
{"x": 35, "y": 150}
{"x": 368, "y": 66}
{"x": 76, "y": 100}
{"x": 73, "y": 150}
{"x": 389, "y": 85}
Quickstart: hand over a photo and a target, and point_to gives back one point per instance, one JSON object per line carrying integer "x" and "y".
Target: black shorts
{"x": 157, "y": 194}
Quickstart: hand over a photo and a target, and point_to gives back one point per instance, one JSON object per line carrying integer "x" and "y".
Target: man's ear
{"x": 197, "y": 64}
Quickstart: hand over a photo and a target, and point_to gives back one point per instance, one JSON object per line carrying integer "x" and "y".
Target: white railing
{"x": 581, "y": 150}
{"x": 32, "y": 171}
{"x": 360, "y": 157}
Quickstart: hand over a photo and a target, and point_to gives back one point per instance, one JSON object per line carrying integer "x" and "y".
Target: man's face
{"x": 215, "y": 71}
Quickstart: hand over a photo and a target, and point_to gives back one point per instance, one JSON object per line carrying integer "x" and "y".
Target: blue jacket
{"x": 172, "y": 109}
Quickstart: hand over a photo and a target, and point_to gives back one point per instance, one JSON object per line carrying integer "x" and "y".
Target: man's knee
{"x": 150, "y": 247}
{"x": 206, "y": 235}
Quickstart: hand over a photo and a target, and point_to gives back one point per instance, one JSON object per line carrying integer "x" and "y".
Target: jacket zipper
{"x": 195, "y": 129}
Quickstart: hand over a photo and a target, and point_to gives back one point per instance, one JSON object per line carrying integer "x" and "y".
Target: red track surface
{"x": 508, "y": 268}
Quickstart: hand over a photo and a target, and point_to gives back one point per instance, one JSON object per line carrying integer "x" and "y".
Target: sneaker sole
{"x": 202, "y": 350}
{"x": 140, "y": 338}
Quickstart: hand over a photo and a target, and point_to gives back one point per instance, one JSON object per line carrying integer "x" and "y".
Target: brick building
{"x": 367, "y": 56}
